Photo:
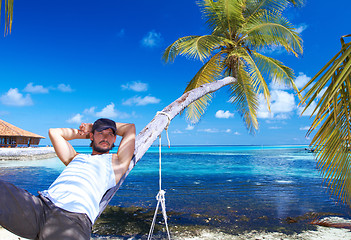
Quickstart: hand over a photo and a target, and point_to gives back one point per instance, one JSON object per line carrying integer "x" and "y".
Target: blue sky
{"x": 72, "y": 61}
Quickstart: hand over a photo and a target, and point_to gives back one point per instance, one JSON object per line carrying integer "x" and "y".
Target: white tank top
{"x": 82, "y": 184}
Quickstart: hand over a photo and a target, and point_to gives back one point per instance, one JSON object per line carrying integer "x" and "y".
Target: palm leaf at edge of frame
{"x": 332, "y": 89}
{"x": 323, "y": 80}
{"x": 8, "y": 15}
{"x": 332, "y": 140}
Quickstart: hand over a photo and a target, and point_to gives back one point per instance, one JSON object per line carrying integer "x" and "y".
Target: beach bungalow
{"x": 12, "y": 136}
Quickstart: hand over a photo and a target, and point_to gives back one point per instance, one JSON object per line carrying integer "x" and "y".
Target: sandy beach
{"x": 322, "y": 233}
{"x": 29, "y": 153}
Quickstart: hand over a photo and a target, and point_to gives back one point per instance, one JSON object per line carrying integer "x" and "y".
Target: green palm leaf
{"x": 256, "y": 76}
{"x": 332, "y": 121}
{"x": 209, "y": 72}
{"x": 8, "y": 15}
{"x": 223, "y": 16}
{"x": 272, "y": 29}
{"x": 276, "y": 69}
{"x": 198, "y": 47}
{"x": 244, "y": 96}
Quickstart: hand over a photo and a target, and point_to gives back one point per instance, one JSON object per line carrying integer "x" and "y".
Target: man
{"x": 69, "y": 208}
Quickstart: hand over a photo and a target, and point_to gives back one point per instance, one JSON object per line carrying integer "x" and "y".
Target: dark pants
{"x": 36, "y": 217}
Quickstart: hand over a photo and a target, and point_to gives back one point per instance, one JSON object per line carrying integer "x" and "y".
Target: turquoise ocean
{"x": 225, "y": 187}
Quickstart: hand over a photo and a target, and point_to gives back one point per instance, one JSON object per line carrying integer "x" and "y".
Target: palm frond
{"x": 198, "y": 47}
{"x": 333, "y": 114}
{"x": 223, "y": 16}
{"x": 253, "y": 6}
{"x": 276, "y": 69}
{"x": 8, "y": 15}
{"x": 209, "y": 72}
{"x": 258, "y": 81}
{"x": 341, "y": 61}
{"x": 272, "y": 29}
{"x": 244, "y": 96}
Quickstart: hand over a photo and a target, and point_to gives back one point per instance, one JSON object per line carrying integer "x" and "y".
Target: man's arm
{"x": 125, "y": 149}
{"x": 59, "y": 138}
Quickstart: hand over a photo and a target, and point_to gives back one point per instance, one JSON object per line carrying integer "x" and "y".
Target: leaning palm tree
{"x": 8, "y": 15}
{"x": 240, "y": 32}
{"x": 331, "y": 88}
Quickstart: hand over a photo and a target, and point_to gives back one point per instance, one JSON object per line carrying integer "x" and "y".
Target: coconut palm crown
{"x": 240, "y": 31}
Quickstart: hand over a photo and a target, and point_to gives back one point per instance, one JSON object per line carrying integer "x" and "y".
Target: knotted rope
{"x": 160, "y": 197}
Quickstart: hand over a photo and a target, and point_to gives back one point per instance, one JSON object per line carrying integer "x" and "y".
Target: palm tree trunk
{"x": 150, "y": 133}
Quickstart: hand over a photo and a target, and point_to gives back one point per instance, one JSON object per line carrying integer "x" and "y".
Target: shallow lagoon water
{"x": 234, "y": 188}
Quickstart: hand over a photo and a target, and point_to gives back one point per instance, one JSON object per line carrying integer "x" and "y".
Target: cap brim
{"x": 101, "y": 128}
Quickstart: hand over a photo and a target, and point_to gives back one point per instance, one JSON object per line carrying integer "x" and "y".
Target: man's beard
{"x": 101, "y": 150}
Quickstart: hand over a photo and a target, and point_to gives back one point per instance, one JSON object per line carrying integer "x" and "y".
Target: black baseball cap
{"x": 103, "y": 124}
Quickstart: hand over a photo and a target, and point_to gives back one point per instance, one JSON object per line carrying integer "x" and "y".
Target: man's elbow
{"x": 132, "y": 127}
{"x": 53, "y": 132}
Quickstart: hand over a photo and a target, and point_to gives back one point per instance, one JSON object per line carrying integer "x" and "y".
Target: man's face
{"x": 103, "y": 141}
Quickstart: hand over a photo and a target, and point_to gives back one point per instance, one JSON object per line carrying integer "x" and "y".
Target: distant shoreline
{"x": 30, "y": 153}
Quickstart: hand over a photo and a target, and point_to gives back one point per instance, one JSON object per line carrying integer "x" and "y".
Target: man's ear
{"x": 91, "y": 136}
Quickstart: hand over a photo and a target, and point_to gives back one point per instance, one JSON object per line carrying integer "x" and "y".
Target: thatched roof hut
{"x": 12, "y": 136}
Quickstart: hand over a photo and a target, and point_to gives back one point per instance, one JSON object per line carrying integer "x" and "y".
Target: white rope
{"x": 166, "y": 128}
{"x": 160, "y": 197}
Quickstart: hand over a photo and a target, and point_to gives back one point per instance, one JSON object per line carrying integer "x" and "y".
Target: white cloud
{"x": 35, "y": 88}
{"x": 282, "y": 116}
{"x": 90, "y": 111}
{"x": 108, "y": 111}
{"x": 236, "y": 133}
{"x": 209, "y": 130}
{"x": 177, "y": 131}
{"x": 136, "y": 86}
{"x": 264, "y": 113}
{"x": 301, "y": 80}
{"x": 306, "y": 128}
{"x": 301, "y": 28}
{"x": 64, "y": 88}
{"x": 141, "y": 101}
{"x": 281, "y": 103}
{"x": 222, "y": 114}
{"x": 274, "y": 127}
{"x": 215, "y": 130}
{"x": 308, "y": 111}
{"x": 152, "y": 39}
{"x": 14, "y": 98}
{"x": 189, "y": 127}
{"x": 78, "y": 118}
